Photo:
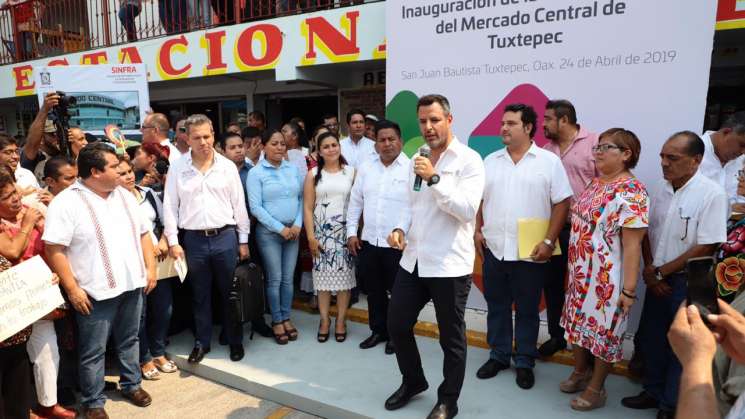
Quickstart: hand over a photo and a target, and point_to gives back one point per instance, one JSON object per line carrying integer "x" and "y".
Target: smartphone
{"x": 702, "y": 285}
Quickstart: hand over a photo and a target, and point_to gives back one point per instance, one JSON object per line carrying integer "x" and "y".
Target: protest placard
{"x": 26, "y": 295}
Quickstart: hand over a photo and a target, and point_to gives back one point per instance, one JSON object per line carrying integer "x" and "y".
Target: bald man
{"x": 155, "y": 130}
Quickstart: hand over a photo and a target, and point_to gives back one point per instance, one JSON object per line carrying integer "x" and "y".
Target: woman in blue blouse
{"x": 275, "y": 195}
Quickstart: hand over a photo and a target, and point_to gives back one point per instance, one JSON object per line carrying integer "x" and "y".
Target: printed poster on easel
{"x": 104, "y": 94}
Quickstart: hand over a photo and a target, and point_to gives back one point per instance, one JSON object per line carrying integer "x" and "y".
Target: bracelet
{"x": 633, "y": 297}
{"x": 25, "y": 232}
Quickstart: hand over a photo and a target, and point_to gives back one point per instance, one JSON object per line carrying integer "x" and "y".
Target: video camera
{"x": 60, "y": 115}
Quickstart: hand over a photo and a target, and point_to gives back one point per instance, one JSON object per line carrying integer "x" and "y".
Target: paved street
{"x": 185, "y": 396}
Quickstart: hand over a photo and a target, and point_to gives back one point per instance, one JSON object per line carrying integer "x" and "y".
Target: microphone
{"x": 424, "y": 151}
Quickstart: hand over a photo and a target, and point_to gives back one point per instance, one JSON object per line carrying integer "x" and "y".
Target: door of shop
{"x": 310, "y": 109}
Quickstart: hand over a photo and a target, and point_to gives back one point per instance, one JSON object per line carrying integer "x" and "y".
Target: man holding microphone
{"x": 435, "y": 232}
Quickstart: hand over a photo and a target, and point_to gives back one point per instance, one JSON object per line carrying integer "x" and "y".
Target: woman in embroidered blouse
{"x": 158, "y": 304}
{"x": 609, "y": 221}
{"x": 275, "y": 194}
{"x": 21, "y": 228}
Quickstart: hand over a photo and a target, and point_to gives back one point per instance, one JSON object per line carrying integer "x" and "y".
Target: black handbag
{"x": 246, "y": 296}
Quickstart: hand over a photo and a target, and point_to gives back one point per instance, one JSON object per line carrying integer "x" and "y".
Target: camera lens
{"x": 69, "y": 101}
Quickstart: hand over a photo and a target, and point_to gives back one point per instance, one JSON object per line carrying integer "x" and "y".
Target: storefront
{"x": 294, "y": 66}
{"x": 305, "y": 66}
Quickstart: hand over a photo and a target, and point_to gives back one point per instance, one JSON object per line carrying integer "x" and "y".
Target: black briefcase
{"x": 247, "y": 293}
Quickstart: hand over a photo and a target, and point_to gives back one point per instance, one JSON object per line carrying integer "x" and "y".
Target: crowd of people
{"x": 104, "y": 219}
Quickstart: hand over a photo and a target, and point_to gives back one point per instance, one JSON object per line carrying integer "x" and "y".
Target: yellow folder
{"x": 530, "y": 232}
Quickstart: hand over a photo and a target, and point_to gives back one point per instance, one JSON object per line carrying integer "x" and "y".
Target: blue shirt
{"x": 276, "y": 195}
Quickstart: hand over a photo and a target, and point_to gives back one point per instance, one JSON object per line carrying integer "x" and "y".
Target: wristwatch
{"x": 548, "y": 243}
{"x": 434, "y": 180}
{"x": 658, "y": 274}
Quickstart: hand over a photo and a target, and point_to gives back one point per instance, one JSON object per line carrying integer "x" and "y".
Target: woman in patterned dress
{"x": 327, "y": 189}
{"x": 609, "y": 221}
{"x": 305, "y": 261}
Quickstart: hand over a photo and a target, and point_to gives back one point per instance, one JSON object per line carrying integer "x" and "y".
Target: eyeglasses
{"x": 10, "y": 152}
{"x": 144, "y": 127}
{"x": 182, "y": 129}
{"x": 602, "y": 148}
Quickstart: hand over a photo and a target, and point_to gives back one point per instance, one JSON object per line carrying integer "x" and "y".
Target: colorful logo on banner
{"x": 485, "y": 139}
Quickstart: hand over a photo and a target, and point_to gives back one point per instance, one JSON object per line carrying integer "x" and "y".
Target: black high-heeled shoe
{"x": 341, "y": 337}
{"x": 323, "y": 337}
{"x": 282, "y": 338}
{"x": 292, "y": 333}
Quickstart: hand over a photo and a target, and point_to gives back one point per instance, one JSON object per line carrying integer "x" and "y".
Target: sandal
{"x": 167, "y": 367}
{"x": 323, "y": 337}
{"x": 577, "y": 381}
{"x": 583, "y": 405}
{"x": 151, "y": 374}
{"x": 292, "y": 333}
{"x": 341, "y": 337}
{"x": 280, "y": 338}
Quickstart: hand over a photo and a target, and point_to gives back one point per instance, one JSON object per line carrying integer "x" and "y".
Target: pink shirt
{"x": 578, "y": 160}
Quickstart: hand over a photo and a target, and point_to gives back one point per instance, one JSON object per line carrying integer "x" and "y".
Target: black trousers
{"x": 378, "y": 266}
{"x": 15, "y": 382}
{"x": 553, "y": 288}
{"x": 211, "y": 260}
{"x": 410, "y": 293}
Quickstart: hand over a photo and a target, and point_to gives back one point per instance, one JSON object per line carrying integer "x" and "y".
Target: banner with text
{"x": 105, "y": 94}
{"x": 26, "y": 295}
{"x": 283, "y": 44}
{"x": 641, "y": 65}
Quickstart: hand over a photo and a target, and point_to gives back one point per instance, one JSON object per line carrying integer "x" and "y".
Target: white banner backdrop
{"x": 638, "y": 64}
{"x": 106, "y": 94}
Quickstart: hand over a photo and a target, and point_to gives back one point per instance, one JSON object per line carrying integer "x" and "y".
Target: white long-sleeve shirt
{"x": 526, "y": 189}
{"x": 356, "y": 154}
{"x": 439, "y": 221}
{"x": 725, "y": 175}
{"x": 381, "y": 192}
{"x": 197, "y": 201}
